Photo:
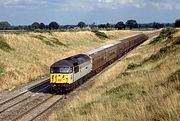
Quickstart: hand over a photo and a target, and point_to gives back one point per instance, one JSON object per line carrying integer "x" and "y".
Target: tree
{"x": 42, "y": 26}
{"x": 108, "y": 25}
{"x": 4, "y": 25}
{"x": 81, "y": 24}
{"x": 102, "y": 26}
{"x": 177, "y": 23}
{"x": 93, "y": 26}
{"x": 157, "y": 25}
{"x": 53, "y": 25}
{"x": 132, "y": 24}
{"x": 120, "y": 25}
{"x": 35, "y": 25}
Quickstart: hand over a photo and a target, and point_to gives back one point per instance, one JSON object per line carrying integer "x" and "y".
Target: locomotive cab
{"x": 66, "y": 72}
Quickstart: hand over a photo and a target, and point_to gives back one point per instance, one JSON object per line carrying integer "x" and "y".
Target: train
{"x": 68, "y": 73}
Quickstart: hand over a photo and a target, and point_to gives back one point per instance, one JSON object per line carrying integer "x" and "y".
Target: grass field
{"x": 144, "y": 86}
{"x": 26, "y": 56}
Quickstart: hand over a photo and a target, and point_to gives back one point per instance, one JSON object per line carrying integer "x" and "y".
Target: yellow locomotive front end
{"x": 61, "y": 76}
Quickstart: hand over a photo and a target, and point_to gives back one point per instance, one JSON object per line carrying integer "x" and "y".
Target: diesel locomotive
{"x": 71, "y": 72}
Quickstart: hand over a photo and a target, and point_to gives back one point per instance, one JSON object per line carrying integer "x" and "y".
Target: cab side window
{"x": 76, "y": 69}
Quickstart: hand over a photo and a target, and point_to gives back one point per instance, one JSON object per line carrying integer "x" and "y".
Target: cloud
{"x": 165, "y": 4}
{"x": 116, "y": 1}
{"x": 177, "y": 6}
{"x": 72, "y": 5}
{"x": 7, "y": 2}
{"x": 121, "y": 3}
{"x": 57, "y": 5}
{"x": 92, "y": 4}
{"x": 21, "y": 3}
{"x": 105, "y": 1}
{"x": 160, "y": 4}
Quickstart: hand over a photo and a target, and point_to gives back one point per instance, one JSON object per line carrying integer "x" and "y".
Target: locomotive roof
{"x": 72, "y": 61}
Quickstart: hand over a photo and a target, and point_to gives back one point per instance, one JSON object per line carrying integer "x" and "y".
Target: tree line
{"x": 130, "y": 24}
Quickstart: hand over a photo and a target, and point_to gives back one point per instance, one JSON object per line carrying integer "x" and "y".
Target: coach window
{"x": 76, "y": 69}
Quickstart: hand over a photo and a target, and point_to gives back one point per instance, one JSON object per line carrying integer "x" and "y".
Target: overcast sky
{"x": 23, "y": 12}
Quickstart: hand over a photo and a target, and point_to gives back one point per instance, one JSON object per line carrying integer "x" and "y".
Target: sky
{"x": 25, "y": 12}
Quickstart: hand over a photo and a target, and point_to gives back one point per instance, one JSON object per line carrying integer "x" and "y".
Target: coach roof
{"x": 72, "y": 61}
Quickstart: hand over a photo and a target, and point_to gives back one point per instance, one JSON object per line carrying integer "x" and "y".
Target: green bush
{"x": 126, "y": 91}
{"x": 165, "y": 33}
{"x": 51, "y": 42}
{"x": 40, "y": 37}
{"x": 55, "y": 41}
{"x": 160, "y": 54}
{"x": 99, "y": 34}
{"x": 4, "y": 45}
{"x": 155, "y": 56}
{"x": 133, "y": 65}
{"x": 48, "y": 43}
{"x": 174, "y": 76}
{"x": 172, "y": 82}
{"x": 87, "y": 108}
{"x": 163, "y": 50}
{"x": 1, "y": 68}
{"x": 176, "y": 41}
{"x": 124, "y": 74}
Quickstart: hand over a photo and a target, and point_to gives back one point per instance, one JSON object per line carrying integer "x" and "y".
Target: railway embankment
{"x": 27, "y": 56}
{"x": 145, "y": 85}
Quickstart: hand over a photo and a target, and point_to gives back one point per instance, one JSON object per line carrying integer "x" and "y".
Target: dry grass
{"x": 149, "y": 92}
{"x": 26, "y": 56}
{"x": 177, "y": 34}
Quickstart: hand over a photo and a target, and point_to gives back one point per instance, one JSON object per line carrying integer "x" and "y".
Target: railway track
{"x": 17, "y": 99}
{"x": 39, "y": 108}
{"x": 24, "y": 92}
{"x": 32, "y": 103}
{"x": 153, "y": 34}
{"x": 10, "y": 104}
